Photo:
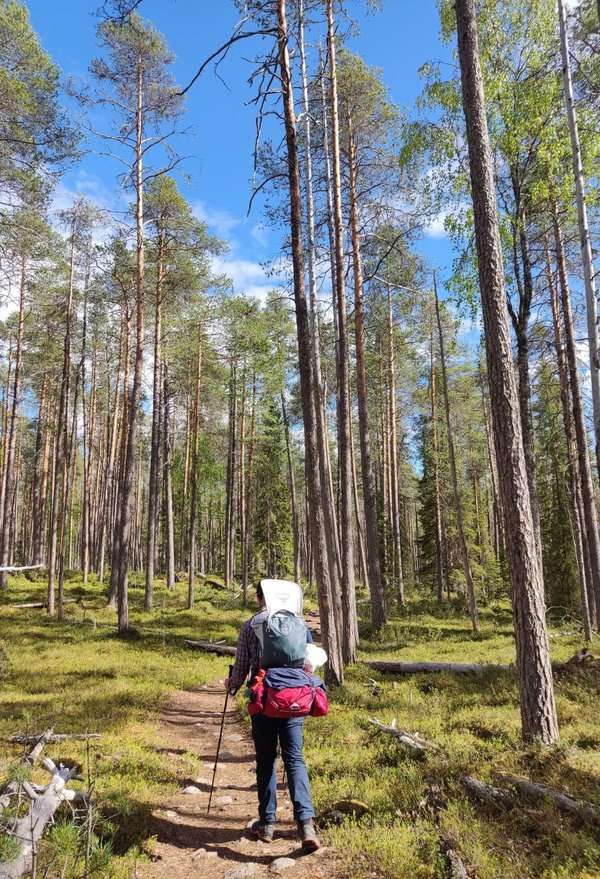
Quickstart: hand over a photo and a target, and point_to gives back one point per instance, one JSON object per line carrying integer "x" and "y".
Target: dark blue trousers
{"x": 267, "y": 732}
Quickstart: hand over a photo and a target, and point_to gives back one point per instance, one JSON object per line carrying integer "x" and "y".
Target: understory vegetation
{"x": 77, "y": 676}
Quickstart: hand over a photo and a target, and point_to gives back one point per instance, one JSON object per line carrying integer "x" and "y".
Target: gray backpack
{"x": 282, "y": 639}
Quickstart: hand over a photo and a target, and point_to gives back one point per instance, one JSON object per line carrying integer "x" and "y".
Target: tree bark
{"x": 538, "y": 709}
{"x": 394, "y": 463}
{"x": 378, "y": 612}
{"x": 458, "y": 507}
{"x": 155, "y": 444}
{"x": 589, "y": 273}
{"x": 575, "y": 493}
{"x": 194, "y": 478}
{"x": 349, "y": 644}
{"x": 293, "y": 498}
{"x": 123, "y": 523}
{"x": 230, "y": 510}
{"x": 168, "y": 479}
{"x": 59, "y": 482}
{"x": 585, "y": 468}
{"x": 6, "y": 497}
{"x": 440, "y": 566}
{"x": 319, "y": 542}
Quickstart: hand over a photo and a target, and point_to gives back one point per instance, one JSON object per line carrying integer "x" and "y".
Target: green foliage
{"x": 475, "y": 722}
{"x": 35, "y": 134}
{"x": 10, "y": 847}
{"x": 560, "y": 564}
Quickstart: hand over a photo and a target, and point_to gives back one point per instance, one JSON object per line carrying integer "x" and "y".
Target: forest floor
{"x": 77, "y": 676}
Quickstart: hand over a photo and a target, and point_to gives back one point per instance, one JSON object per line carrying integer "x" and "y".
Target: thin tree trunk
{"x": 585, "y": 469}
{"x": 292, "y": 486}
{"x": 394, "y": 463}
{"x": 247, "y": 549}
{"x": 154, "y": 477}
{"x": 168, "y": 479}
{"x": 123, "y": 524}
{"x": 57, "y": 510}
{"x": 6, "y": 496}
{"x": 306, "y": 360}
{"x": 378, "y": 612}
{"x": 349, "y": 644}
{"x": 359, "y": 529}
{"x": 458, "y": 508}
{"x": 499, "y": 541}
{"x": 230, "y": 512}
{"x": 587, "y": 260}
{"x": 194, "y": 477}
{"x": 41, "y": 481}
{"x": 440, "y": 566}
{"x": 575, "y": 494}
{"x": 538, "y": 709}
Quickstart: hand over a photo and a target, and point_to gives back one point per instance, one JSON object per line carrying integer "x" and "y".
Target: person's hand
{"x": 227, "y": 681}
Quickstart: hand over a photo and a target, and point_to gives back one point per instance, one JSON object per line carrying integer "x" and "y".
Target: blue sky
{"x": 399, "y": 39}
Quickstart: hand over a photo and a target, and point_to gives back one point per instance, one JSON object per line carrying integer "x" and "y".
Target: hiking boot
{"x": 308, "y": 835}
{"x": 263, "y": 831}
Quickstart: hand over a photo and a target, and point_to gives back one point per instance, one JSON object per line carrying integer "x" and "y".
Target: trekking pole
{"x": 212, "y": 786}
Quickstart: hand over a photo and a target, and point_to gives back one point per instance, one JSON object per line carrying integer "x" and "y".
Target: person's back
{"x": 268, "y": 732}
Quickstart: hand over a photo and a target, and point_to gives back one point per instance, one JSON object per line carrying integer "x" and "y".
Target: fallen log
{"x": 29, "y": 829}
{"x": 487, "y": 793}
{"x": 28, "y": 760}
{"x": 40, "y": 604}
{"x": 22, "y": 739}
{"x": 413, "y": 668}
{"x": 9, "y": 568}
{"x": 412, "y": 742}
{"x": 211, "y": 647}
{"x": 537, "y": 792}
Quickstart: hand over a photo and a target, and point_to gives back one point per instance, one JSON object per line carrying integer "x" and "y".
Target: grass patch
{"x": 78, "y": 676}
{"x": 476, "y": 722}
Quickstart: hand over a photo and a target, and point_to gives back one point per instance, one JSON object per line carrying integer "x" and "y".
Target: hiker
{"x": 267, "y": 732}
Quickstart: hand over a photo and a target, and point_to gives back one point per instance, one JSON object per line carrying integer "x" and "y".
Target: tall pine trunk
{"x": 305, "y": 362}
{"x": 155, "y": 438}
{"x": 394, "y": 462}
{"x": 195, "y": 419}
{"x": 584, "y": 229}
{"x": 575, "y": 494}
{"x": 440, "y": 544}
{"x": 168, "y": 479}
{"x": 349, "y": 644}
{"x": 585, "y": 469}
{"x": 123, "y": 523}
{"x": 8, "y": 486}
{"x": 538, "y": 709}
{"x": 458, "y": 506}
{"x": 378, "y": 612}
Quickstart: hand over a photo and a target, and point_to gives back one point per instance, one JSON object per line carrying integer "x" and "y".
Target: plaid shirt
{"x": 247, "y": 656}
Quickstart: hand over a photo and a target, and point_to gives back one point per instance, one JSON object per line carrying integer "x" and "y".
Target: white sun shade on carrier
{"x": 282, "y": 595}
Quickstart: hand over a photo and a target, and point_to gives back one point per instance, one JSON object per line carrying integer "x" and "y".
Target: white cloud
{"x": 248, "y": 277}
{"x": 436, "y": 228}
{"x": 260, "y": 234}
{"x": 112, "y": 203}
{"x": 221, "y": 222}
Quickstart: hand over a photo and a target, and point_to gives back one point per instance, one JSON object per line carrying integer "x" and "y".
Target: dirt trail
{"x": 190, "y": 843}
